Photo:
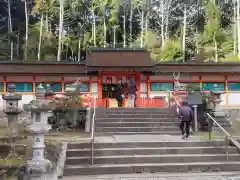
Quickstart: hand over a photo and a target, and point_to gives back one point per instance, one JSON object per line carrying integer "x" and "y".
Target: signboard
{"x": 195, "y": 98}
{"x": 161, "y": 86}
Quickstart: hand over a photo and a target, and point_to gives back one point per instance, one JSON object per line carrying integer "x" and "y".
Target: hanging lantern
{"x": 104, "y": 79}
{"x": 109, "y": 79}
{"x": 123, "y": 79}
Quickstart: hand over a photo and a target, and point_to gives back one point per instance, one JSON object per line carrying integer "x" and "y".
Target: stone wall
{"x": 56, "y": 153}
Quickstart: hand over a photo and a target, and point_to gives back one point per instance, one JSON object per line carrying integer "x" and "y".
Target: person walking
{"x": 186, "y": 117}
{"x": 131, "y": 92}
{"x": 119, "y": 95}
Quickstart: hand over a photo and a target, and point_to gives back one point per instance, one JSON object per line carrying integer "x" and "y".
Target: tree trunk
{"x": 216, "y": 50}
{"x": 238, "y": 27}
{"x": 79, "y": 49}
{"x": 105, "y": 32}
{"x": 114, "y": 37}
{"x": 60, "y": 30}
{"x": 72, "y": 54}
{"x": 10, "y": 27}
{"x": 94, "y": 29}
{"x": 162, "y": 24}
{"x": 66, "y": 58}
{"x": 40, "y": 38}
{"x": 18, "y": 41}
{"x": 184, "y": 32}
{"x": 26, "y": 35}
{"x": 196, "y": 41}
{"x": 234, "y": 26}
{"x": 130, "y": 24}
{"x": 142, "y": 27}
{"x": 146, "y": 25}
{"x": 46, "y": 21}
{"x": 166, "y": 26}
{"x": 124, "y": 31}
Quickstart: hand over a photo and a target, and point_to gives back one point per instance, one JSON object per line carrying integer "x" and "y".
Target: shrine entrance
{"x": 110, "y": 83}
{"x": 110, "y": 90}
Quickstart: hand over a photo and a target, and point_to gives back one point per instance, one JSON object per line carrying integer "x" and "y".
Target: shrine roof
{"x": 41, "y": 67}
{"x": 74, "y": 68}
{"x": 198, "y": 67}
{"x": 118, "y": 59}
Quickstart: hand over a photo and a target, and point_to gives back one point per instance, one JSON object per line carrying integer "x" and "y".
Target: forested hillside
{"x": 172, "y": 30}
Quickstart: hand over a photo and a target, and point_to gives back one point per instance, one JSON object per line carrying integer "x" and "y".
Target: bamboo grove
{"x": 171, "y": 30}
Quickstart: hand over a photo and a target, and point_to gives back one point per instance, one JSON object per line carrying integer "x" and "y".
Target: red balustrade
{"x": 151, "y": 102}
{"x": 140, "y": 101}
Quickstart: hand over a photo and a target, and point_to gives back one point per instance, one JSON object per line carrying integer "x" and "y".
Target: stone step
{"x": 136, "y": 116}
{"x": 134, "y": 124}
{"x": 140, "y": 133}
{"x": 134, "y": 109}
{"x": 148, "y": 144}
{"x": 139, "y": 112}
{"x": 133, "y": 119}
{"x": 152, "y": 168}
{"x": 136, "y": 129}
{"x": 151, "y": 150}
{"x": 223, "y": 124}
{"x": 138, "y": 159}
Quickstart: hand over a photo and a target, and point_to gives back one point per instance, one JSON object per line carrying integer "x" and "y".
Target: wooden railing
{"x": 163, "y": 102}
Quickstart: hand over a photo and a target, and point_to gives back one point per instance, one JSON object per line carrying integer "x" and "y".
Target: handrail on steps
{"x": 211, "y": 120}
{"x": 220, "y": 127}
{"x": 93, "y": 127}
{"x": 175, "y": 99}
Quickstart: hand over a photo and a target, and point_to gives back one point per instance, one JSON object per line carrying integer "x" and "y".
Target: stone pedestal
{"x": 11, "y": 110}
{"x": 88, "y": 120}
{"x": 217, "y": 112}
{"x": 38, "y": 168}
{"x": 195, "y": 118}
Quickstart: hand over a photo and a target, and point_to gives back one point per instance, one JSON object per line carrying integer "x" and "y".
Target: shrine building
{"x": 104, "y": 68}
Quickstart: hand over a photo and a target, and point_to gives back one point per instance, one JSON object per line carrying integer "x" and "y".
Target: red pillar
{"x": 100, "y": 85}
{"x": 148, "y": 86}
{"x": 138, "y": 84}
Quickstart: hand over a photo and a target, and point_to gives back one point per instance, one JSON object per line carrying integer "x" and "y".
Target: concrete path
{"x": 155, "y": 176}
{"x": 132, "y": 138}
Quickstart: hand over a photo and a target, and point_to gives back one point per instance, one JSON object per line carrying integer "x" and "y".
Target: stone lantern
{"x": 217, "y": 112}
{"x": 216, "y": 100}
{"x": 12, "y": 110}
{"x": 38, "y": 167}
{"x": 49, "y": 93}
{"x": 72, "y": 89}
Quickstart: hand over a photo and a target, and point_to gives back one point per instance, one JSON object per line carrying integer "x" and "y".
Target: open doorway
{"x": 110, "y": 90}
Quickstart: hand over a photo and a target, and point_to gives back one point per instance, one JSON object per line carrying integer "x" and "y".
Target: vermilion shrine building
{"x": 104, "y": 68}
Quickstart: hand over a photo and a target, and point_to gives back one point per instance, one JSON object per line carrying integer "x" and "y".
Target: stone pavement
{"x": 132, "y": 138}
{"x": 156, "y": 176}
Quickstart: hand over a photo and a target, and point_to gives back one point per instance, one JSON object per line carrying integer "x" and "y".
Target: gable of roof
{"x": 120, "y": 58}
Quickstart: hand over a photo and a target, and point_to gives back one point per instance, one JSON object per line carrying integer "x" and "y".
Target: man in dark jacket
{"x": 131, "y": 92}
{"x": 119, "y": 95}
{"x": 186, "y": 117}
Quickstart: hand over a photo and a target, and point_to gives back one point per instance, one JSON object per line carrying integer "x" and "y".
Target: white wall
{"x": 143, "y": 90}
{"x": 25, "y": 100}
{"x": 159, "y": 94}
{"x": 171, "y": 78}
{"x": 234, "y": 98}
{"x": 94, "y": 87}
{"x": 223, "y": 98}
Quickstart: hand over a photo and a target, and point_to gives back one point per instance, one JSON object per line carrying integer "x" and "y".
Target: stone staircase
{"x": 123, "y": 157}
{"x": 136, "y": 121}
{"x": 146, "y": 141}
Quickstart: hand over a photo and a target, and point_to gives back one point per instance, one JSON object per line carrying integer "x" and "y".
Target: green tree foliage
{"x": 209, "y": 32}
{"x": 49, "y": 44}
{"x": 4, "y": 51}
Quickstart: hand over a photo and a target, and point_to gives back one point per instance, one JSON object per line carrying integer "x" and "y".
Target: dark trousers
{"x": 185, "y": 127}
{"x": 119, "y": 103}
